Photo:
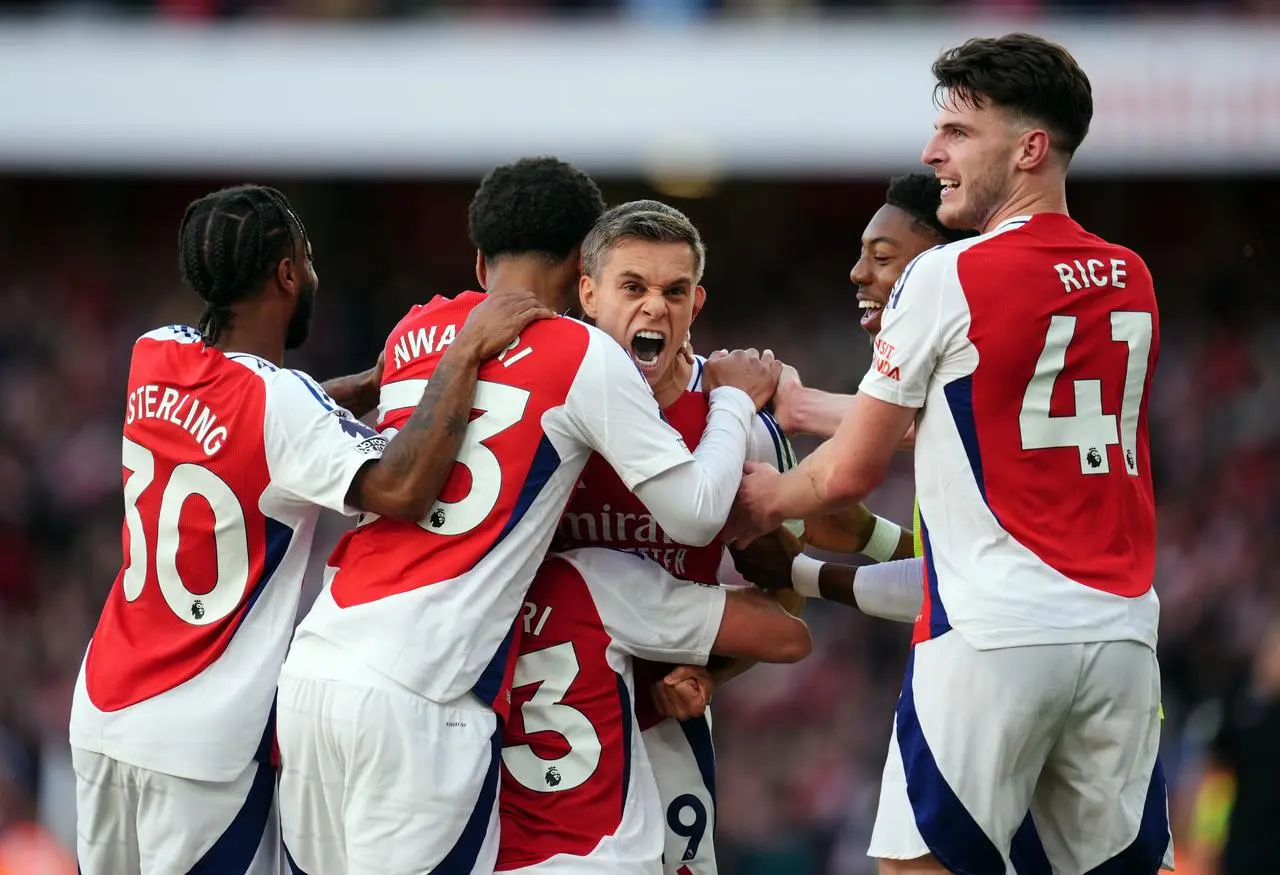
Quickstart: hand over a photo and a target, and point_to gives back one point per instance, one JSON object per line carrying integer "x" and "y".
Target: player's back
{"x": 1045, "y": 403}
{"x": 577, "y": 790}
{"x": 431, "y": 605}
{"x": 179, "y": 676}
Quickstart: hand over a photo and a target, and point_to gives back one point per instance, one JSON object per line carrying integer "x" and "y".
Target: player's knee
{"x": 926, "y": 865}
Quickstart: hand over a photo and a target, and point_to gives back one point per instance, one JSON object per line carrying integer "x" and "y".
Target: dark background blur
{"x": 88, "y": 262}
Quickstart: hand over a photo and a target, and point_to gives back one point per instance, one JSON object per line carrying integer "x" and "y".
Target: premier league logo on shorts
{"x": 437, "y": 518}
{"x": 197, "y": 609}
{"x": 1094, "y": 458}
{"x": 552, "y": 777}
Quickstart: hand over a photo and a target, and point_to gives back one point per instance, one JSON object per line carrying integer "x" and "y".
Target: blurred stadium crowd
{"x": 648, "y": 11}
{"x": 87, "y": 265}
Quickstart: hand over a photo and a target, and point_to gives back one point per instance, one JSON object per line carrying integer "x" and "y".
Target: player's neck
{"x": 255, "y": 336}
{"x": 672, "y": 385}
{"x": 1028, "y": 203}
{"x": 530, "y": 275}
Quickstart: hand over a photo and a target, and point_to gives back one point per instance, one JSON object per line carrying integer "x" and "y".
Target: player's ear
{"x": 587, "y": 295}
{"x": 1033, "y": 149}
{"x": 482, "y": 271}
{"x": 699, "y": 299}
{"x": 286, "y": 275}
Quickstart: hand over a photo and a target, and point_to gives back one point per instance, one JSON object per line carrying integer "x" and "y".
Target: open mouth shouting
{"x": 647, "y": 347}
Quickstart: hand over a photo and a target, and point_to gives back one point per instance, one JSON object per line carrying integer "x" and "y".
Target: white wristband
{"x": 804, "y": 576}
{"x": 884, "y": 539}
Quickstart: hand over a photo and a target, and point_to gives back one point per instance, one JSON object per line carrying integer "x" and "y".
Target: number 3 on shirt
{"x": 554, "y": 669}
{"x": 502, "y": 406}
{"x": 1089, "y": 430}
{"x": 230, "y": 540}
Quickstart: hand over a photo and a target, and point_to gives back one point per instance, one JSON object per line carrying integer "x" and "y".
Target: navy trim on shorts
{"x": 461, "y": 859}
{"x": 1027, "y": 851}
{"x": 946, "y": 826}
{"x": 233, "y": 852}
{"x": 294, "y": 868}
{"x": 1145, "y": 855}
{"x": 698, "y": 733}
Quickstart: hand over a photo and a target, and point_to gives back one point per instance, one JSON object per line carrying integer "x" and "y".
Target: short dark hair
{"x": 1024, "y": 74}
{"x": 229, "y": 242}
{"x": 534, "y": 206}
{"x": 919, "y": 195}
{"x": 641, "y": 220}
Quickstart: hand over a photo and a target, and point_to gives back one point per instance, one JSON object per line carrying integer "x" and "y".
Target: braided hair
{"x": 229, "y": 243}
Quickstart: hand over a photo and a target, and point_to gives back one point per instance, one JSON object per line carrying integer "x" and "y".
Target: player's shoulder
{"x": 182, "y": 334}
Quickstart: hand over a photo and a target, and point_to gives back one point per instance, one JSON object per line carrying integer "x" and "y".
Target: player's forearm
{"x": 358, "y": 393}
{"x": 858, "y": 530}
{"x": 413, "y": 469}
{"x": 811, "y": 489}
{"x": 723, "y": 669}
{"x": 891, "y": 590}
{"x": 817, "y": 412}
{"x": 692, "y": 501}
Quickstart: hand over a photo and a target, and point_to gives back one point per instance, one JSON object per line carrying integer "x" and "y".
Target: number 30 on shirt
{"x": 229, "y": 538}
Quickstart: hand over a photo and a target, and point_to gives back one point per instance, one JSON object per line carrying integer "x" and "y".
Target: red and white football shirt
{"x": 603, "y": 512}
{"x": 577, "y": 792}
{"x": 227, "y": 462}
{"x": 431, "y": 605}
{"x": 1030, "y": 351}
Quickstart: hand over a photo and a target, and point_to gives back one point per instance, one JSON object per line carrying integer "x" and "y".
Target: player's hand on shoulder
{"x": 754, "y": 512}
{"x": 684, "y": 693}
{"x": 766, "y": 562}
{"x": 745, "y": 369}
{"x": 785, "y": 399}
{"x": 499, "y": 319}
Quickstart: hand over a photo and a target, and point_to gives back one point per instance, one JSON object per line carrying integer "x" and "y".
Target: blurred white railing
{"x": 847, "y": 98}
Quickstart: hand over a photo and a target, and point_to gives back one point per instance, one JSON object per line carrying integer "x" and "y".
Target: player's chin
{"x": 653, "y": 370}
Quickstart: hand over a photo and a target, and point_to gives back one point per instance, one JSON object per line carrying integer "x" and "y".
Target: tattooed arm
{"x": 408, "y": 478}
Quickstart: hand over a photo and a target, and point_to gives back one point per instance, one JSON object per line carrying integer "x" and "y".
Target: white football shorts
{"x": 376, "y": 780}
{"x": 1034, "y": 760}
{"x": 684, "y": 766}
{"x": 133, "y": 821}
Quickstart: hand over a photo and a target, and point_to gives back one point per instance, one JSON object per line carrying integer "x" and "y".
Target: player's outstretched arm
{"x": 841, "y": 472}
{"x": 407, "y": 480}
{"x": 755, "y": 627}
{"x": 358, "y": 393}
{"x": 891, "y": 590}
{"x": 802, "y": 410}
{"x": 858, "y": 530}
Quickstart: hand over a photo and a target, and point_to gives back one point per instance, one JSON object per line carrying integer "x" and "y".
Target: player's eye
{"x": 633, "y": 288}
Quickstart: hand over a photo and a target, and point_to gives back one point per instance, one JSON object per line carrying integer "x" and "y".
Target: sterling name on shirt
{"x": 180, "y": 408}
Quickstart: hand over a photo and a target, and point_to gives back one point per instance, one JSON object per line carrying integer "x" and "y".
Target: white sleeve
{"x": 768, "y": 444}
{"x": 689, "y": 494}
{"x": 314, "y": 447}
{"x": 892, "y": 590}
{"x": 917, "y": 330}
{"x": 647, "y": 612}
